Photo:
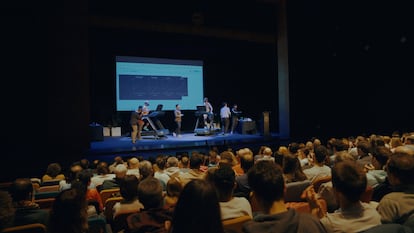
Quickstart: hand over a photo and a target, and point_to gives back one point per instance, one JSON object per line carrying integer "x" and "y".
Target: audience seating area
{"x": 104, "y": 222}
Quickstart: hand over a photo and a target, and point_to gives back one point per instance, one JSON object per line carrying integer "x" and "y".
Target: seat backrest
{"x": 50, "y": 182}
{"x": 43, "y": 195}
{"x": 107, "y": 193}
{"x": 294, "y": 190}
{"x": 108, "y": 210}
{"x": 45, "y": 203}
{"x": 48, "y": 188}
{"x": 28, "y": 228}
{"x": 235, "y": 225}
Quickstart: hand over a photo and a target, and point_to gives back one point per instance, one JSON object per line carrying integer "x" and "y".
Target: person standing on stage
{"x": 234, "y": 118}
{"x": 145, "y": 112}
{"x": 225, "y": 117}
{"x": 209, "y": 116}
{"x": 177, "y": 115}
{"x": 136, "y": 124}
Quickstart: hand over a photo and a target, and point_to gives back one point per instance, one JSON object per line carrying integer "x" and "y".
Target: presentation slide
{"x": 160, "y": 81}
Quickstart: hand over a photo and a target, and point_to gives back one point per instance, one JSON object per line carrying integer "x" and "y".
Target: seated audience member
{"x": 53, "y": 172}
{"x": 325, "y": 190}
{"x": 102, "y": 174}
{"x": 74, "y": 169}
{"x": 197, "y": 209}
{"x": 117, "y": 160}
{"x": 145, "y": 169}
{"x": 133, "y": 167}
{"x": 228, "y": 158}
{"x": 120, "y": 171}
{"x": 69, "y": 213}
{"x": 268, "y": 188}
{"x": 26, "y": 210}
{"x": 224, "y": 180}
{"x": 172, "y": 168}
{"x": 91, "y": 194}
{"x": 265, "y": 153}
{"x": 160, "y": 174}
{"x": 246, "y": 162}
{"x": 349, "y": 183}
{"x": 364, "y": 153}
{"x": 292, "y": 171}
{"x": 174, "y": 188}
{"x": 319, "y": 169}
{"x": 213, "y": 158}
{"x": 6, "y": 210}
{"x": 184, "y": 164}
{"x": 153, "y": 217}
{"x": 398, "y": 206}
{"x": 375, "y": 171}
{"x": 129, "y": 192}
{"x": 195, "y": 173}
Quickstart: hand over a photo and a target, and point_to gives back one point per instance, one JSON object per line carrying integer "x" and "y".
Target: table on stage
{"x": 246, "y": 127}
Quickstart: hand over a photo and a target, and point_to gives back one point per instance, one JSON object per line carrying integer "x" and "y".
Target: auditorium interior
{"x": 320, "y": 68}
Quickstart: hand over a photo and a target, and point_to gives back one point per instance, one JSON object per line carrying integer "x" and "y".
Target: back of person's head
{"x": 150, "y": 193}
{"x": 246, "y": 159}
{"x": 102, "y": 168}
{"x": 129, "y": 188}
{"x": 227, "y": 157}
{"x": 343, "y": 156}
{"x": 120, "y": 170}
{"x": 205, "y": 218}
{"x": 196, "y": 160}
{"x": 381, "y": 154}
{"x": 21, "y": 189}
{"x": 145, "y": 169}
{"x": 364, "y": 146}
{"x": 53, "y": 169}
{"x": 75, "y": 168}
{"x": 268, "y": 151}
{"x": 291, "y": 163}
{"x": 349, "y": 179}
{"x": 85, "y": 176}
{"x": 279, "y": 157}
{"x": 133, "y": 163}
{"x": 160, "y": 162}
{"x": 340, "y": 145}
{"x": 185, "y": 161}
{"x": 321, "y": 153}
{"x": 401, "y": 166}
{"x": 266, "y": 181}
{"x": 224, "y": 180}
{"x": 293, "y": 147}
{"x": 69, "y": 213}
{"x": 172, "y": 161}
{"x": 84, "y": 163}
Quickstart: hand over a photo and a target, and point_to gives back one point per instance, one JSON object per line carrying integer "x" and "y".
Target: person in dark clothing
{"x": 271, "y": 214}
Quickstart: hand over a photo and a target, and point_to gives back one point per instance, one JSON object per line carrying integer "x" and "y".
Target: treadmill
{"x": 157, "y": 128}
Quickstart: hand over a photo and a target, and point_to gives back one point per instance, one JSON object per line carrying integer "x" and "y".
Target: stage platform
{"x": 169, "y": 145}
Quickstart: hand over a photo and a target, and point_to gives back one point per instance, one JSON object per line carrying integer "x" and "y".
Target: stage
{"x": 149, "y": 146}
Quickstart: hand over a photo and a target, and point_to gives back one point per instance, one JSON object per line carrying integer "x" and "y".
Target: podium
{"x": 266, "y": 131}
